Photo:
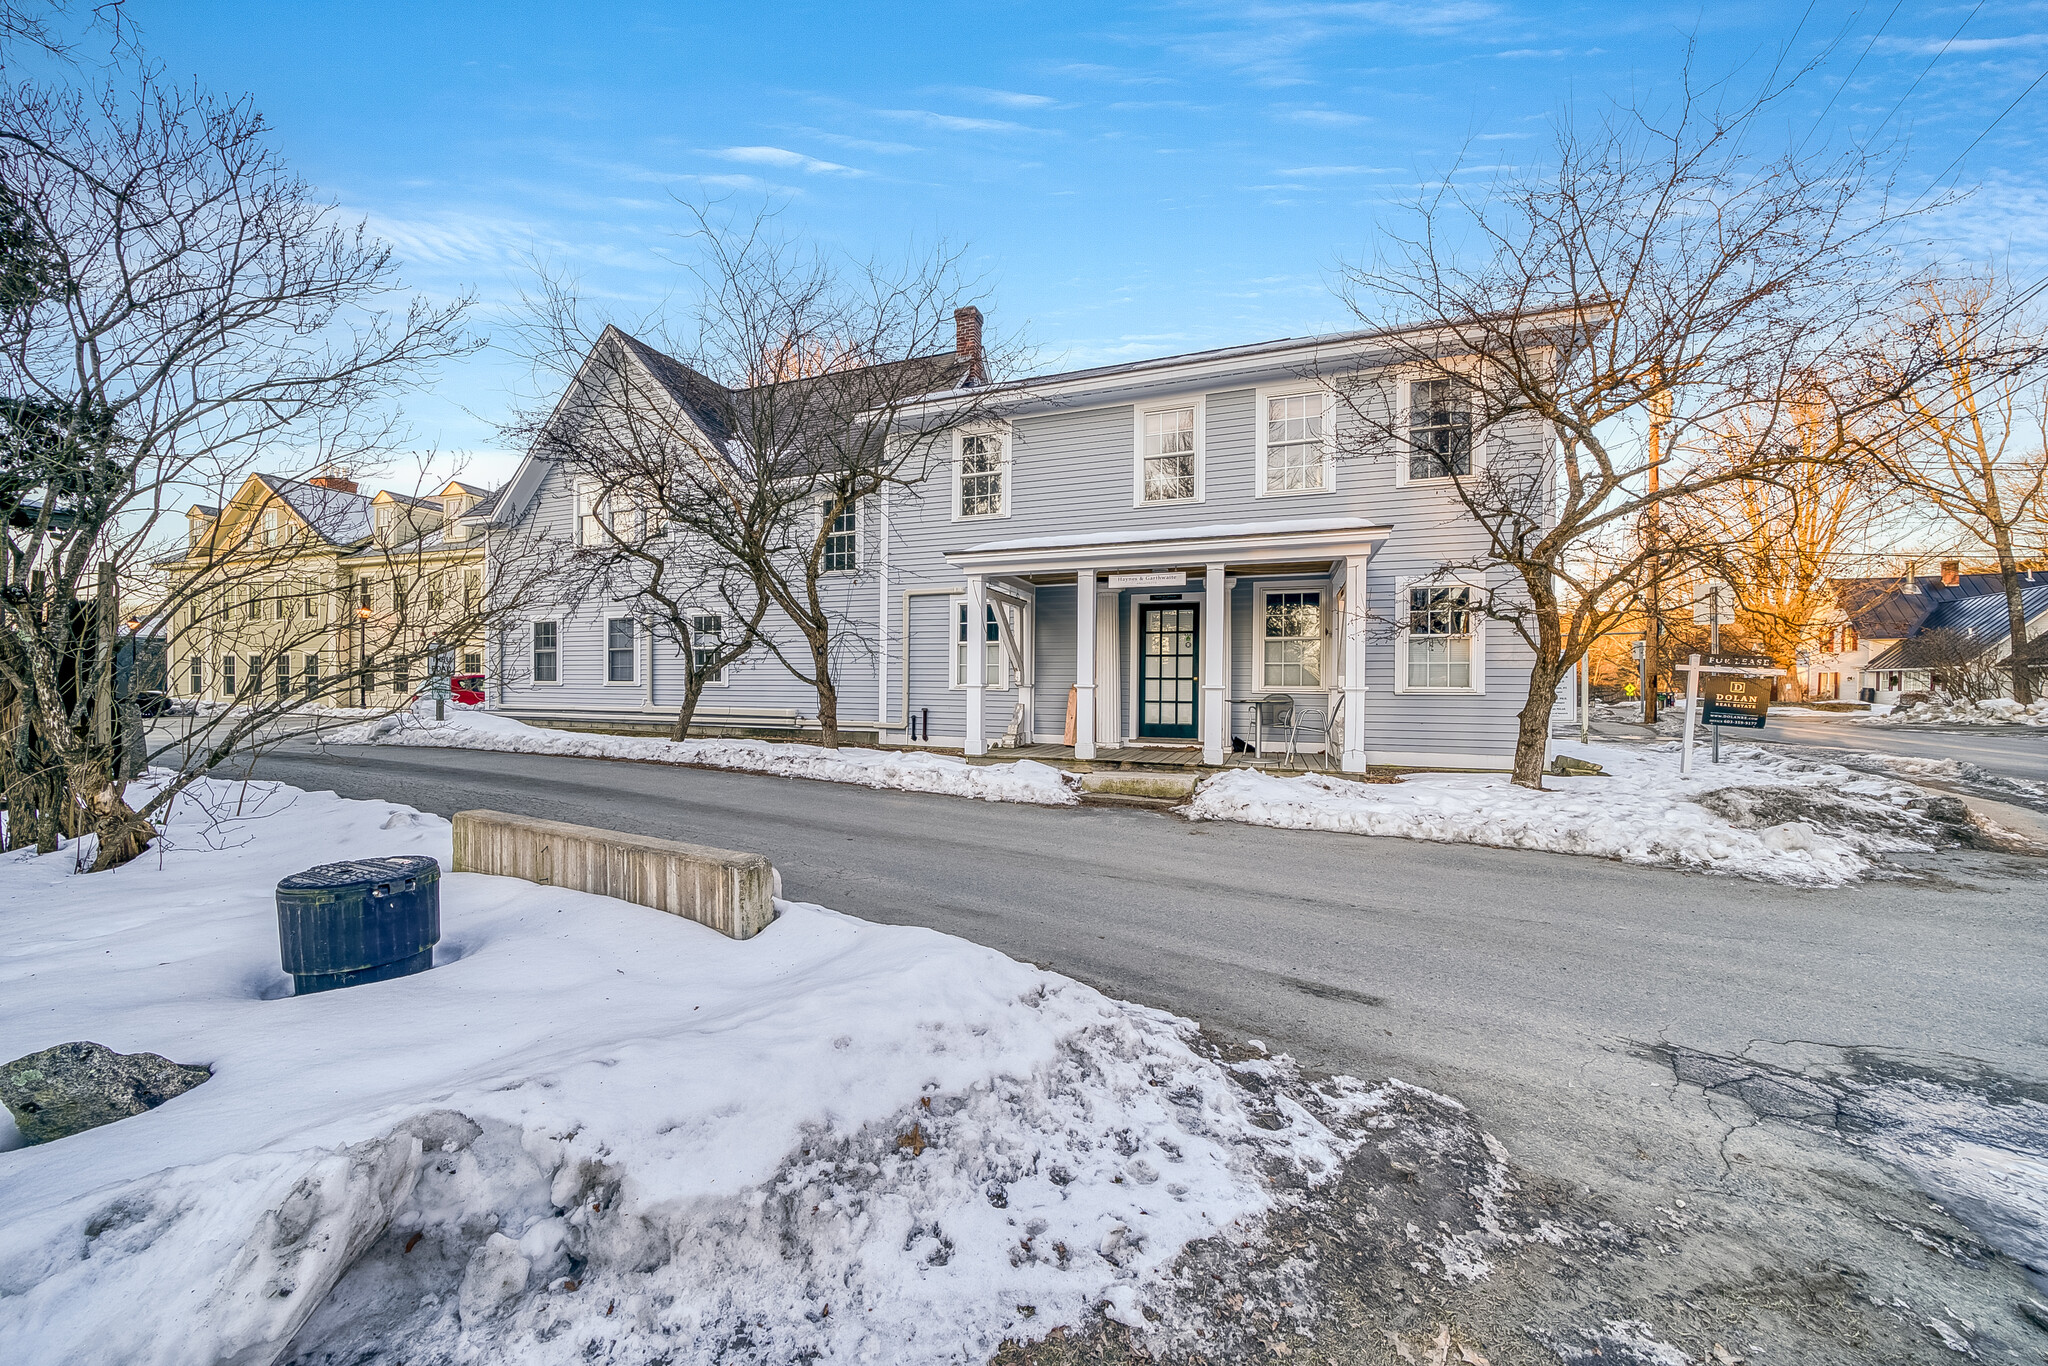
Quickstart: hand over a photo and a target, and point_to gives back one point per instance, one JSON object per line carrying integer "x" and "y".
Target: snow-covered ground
{"x": 593, "y": 1131}
{"x": 1995, "y": 711}
{"x": 1758, "y": 813}
{"x": 908, "y": 771}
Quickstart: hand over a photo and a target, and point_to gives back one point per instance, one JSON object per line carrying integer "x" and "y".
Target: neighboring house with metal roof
{"x": 311, "y": 586}
{"x": 1892, "y": 635}
{"x": 1173, "y": 544}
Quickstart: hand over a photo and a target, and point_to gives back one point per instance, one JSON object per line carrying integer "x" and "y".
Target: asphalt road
{"x": 1516, "y": 982}
{"x": 2013, "y": 751}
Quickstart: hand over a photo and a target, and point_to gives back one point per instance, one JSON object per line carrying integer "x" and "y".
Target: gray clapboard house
{"x": 1157, "y": 545}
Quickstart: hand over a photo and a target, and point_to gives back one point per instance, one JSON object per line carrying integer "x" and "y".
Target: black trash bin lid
{"x": 362, "y": 872}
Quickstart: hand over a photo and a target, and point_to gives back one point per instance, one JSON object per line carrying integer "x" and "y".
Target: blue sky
{"x": 1131, "y": 180}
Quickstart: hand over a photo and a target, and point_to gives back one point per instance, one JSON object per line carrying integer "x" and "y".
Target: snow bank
{"x": 1994, "y": 711}
{"x": 1757, "y": 814}
{"x": 910, "y": 771}
{"x": 592, "y": 1130}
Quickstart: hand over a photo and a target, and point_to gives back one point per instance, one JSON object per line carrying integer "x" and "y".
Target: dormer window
{"x": 270, "y": 526}
{"x": 386, "y": 518}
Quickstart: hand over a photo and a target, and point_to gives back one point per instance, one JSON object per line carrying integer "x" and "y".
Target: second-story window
{"x": 842, "y": 542}
{"x": 1439, "y": 429}
{"x": 1294, "y": 443}
{"x": 270, "y": 526}
{"x": 981, "y": 475}
{"x": 1169, "y": 455}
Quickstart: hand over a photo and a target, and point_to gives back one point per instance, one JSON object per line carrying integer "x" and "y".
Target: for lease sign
{"x": 1733, "y": 700}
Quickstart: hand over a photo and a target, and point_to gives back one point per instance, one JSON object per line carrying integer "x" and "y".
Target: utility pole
{"x": 1660, "y": 418}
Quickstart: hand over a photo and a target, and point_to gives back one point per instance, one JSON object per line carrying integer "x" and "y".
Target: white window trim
{"x": 724, "y": 678}
{"x": 1139, "y": 411}
{"x": 556, "y": 681}
{"x": 1002, "y": 434}
{"x": 954, "y": 682}
{"x": 616, "y": 612}
{"x": 859, "y": 533}
{"x": 1474, "y": 616}
{"x": 1261, "y": 398}
{"x": 1404, "y": 407}
{"x": 1265, "y": 588}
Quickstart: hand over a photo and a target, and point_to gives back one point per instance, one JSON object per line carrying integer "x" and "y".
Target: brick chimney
{"x": 967, "y": 339}
{"x": 333, "y": 481}
{"x": 1951, "y": 571}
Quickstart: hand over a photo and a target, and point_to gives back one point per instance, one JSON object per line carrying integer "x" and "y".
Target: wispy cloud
{"x": 1535, "y": 52}
{"x": 1306, "y": 171}
{"x": 1007, "y": 99}
{"x": 885, "y": 149}
{"x": 1096, "y": 71}
{"x": 1501, "y": 137}
{"x": 954, "y": 123}
{"x": 1927, "y": 47}
{"x": 785, "y": 159}
{"x": 1329, "y": 118}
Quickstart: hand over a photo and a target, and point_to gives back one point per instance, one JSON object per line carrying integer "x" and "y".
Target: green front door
{"x": 1167, "y": 699}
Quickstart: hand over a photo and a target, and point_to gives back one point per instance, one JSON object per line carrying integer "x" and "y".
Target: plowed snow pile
{"x": 1993, "y": 711}
{"x": 593, "y": 1132}
{"x": 1757, "y": 814}
{"x": 906, "y": 770}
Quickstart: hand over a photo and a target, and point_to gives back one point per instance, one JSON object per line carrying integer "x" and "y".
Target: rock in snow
{"x": 78, "y": 1086}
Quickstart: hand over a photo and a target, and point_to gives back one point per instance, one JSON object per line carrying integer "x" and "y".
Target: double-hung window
{"x": 227, "y": 675}
{"x": 706, "y": 631}
{"x": 983, "y": 475}
{"x": 1439, "y": 429}
{"x": 309, "y": 677}
{"x": 255, "y": 686}
{"x": 1293, "y": 643}
{"x": 1439, "y": 639}
{"x": 963, "y": 646}
{"x": 196, "y": 672}
{"x": 621, "y": 650}
{"x": 546, "y": 653}
{"x": 1167, "y": 455}
{"x": 1294, "y": 445}
{"x": 842, "y": 539}
{"x": 284, "y": 676}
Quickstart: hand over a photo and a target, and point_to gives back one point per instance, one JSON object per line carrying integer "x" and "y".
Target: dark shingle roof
{"x": 336, "y": 516}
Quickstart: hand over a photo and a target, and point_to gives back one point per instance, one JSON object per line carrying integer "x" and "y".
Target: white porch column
{"x": 977, "y": 663}
{"x": 1215, "y": 665}
{"x": 1354, "y": 631}
{"x": 1084, "y": 664}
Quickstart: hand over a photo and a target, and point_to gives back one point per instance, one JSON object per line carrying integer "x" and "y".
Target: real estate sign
{"x": 1735, "y": 700}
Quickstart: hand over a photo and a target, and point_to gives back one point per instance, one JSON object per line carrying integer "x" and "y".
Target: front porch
{"x": 1160, "y": 675}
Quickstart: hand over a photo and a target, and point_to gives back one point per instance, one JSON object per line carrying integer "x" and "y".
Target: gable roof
{"x": 1882, "y": 609}
{"x": 1979, "y": 620}
{"x": 335, "y": 515}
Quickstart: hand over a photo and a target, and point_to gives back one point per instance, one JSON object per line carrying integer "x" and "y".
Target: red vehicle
{"x": 468, "y": 689}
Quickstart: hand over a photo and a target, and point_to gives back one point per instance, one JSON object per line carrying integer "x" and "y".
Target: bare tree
{"x": 1961, "y": 366}
{"x": 1778, "y": 536}
{"x": 1654, "y": 277}
{"x": 799, "y": 405}
{"x": 192, "y": 312}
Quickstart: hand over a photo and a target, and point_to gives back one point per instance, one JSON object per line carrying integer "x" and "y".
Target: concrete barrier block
{"x": 732, "y": 892}
{"x": 1114, "y": 783}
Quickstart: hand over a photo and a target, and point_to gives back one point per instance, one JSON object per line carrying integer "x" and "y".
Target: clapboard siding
{"x": 1072, "y": 473}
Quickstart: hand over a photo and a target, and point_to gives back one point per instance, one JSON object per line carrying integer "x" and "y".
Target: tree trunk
{"x": 692, "y": 690}
{"x": 1532, "y": 738}
{"x": 2016, "y": 615}
{"x": 828, "y": 691}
